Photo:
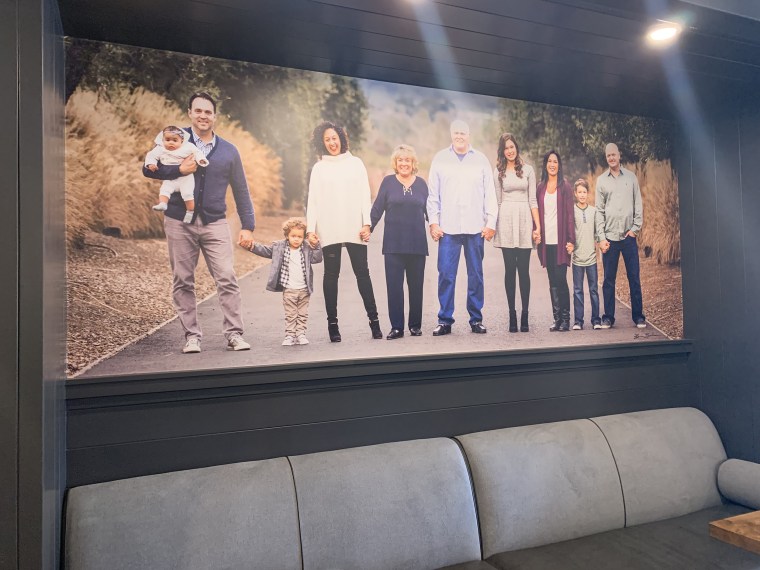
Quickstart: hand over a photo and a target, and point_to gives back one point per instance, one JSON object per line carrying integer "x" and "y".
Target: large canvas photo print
{"x": 224, "y": 214}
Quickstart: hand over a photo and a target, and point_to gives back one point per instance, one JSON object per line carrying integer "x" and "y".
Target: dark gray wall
{"x": 9, "y": 290}
{"x": 127, "y": 427}
{"x": 720, "y": 216}
{"x": 41, "y": 278}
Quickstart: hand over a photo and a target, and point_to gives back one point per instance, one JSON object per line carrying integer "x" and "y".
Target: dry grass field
{"x": 106, "y": 143}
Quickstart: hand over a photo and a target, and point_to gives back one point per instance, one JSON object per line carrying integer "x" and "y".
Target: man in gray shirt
{"x": 619, "y": 215}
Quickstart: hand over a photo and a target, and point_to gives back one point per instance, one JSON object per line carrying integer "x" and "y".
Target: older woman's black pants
{"x": 358, "y": 255}
{"x": 396, "y": 266}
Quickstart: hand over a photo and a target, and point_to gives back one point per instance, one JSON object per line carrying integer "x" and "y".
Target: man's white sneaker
{"x": 193, "y": 344}
{"x": 236, "y": 342}
{"x": 289, "y": 341}
{"x": 302, "y": 339}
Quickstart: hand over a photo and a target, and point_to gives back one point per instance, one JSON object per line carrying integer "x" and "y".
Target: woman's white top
{"x": 550, "y": 219}
{"x": 339, "y": 200}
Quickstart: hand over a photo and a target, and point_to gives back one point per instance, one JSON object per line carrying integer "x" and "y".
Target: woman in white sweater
{"x": 337, "y": 215}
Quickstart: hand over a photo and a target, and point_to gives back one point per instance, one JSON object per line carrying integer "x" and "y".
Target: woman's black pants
{"x": 357, "y": 253}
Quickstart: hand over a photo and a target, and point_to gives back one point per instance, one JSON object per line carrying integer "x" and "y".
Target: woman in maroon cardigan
{"x": 556, "y": 237}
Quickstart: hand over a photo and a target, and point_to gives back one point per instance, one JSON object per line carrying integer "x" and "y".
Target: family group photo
{"x": 223, "y": 214}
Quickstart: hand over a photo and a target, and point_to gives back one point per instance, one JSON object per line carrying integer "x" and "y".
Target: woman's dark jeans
{"x": 558, "y": 278}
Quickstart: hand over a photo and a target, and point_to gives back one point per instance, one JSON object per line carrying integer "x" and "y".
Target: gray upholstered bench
{"x": 628, "y": 491}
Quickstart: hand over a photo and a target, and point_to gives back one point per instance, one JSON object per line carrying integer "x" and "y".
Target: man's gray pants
{"x": 186, "y": 242}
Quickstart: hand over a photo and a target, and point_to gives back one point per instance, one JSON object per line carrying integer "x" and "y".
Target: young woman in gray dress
{"x": 517, "y": 224}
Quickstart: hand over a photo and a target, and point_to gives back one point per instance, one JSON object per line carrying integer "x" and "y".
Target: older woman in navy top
{"x": 403, "y": 197}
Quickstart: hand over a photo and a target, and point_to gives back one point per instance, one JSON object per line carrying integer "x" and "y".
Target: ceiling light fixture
{"x": 663, "y": 33}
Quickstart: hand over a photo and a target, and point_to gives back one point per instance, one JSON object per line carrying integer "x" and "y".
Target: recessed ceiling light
{"x": 663, "y": 33}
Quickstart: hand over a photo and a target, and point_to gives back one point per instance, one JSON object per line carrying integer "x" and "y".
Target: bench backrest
{"x": 242, "y": 515}
{"x": 543, "y": 483}
{"x": 668, "y": 462}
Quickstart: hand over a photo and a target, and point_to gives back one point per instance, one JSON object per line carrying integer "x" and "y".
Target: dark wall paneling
{"x": 9, "y": 289}
{"x": 41, "y": 317}
{"x": 112, "y": 435}
{"x": 721, "y": 272}
{"x": 748, "y": 383}
{"x": 734, "y": 342}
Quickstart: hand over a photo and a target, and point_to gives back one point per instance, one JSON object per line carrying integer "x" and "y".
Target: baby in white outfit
{"x": 172, "y": 148}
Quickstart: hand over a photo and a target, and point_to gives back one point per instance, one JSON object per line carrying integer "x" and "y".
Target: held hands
{"x": 604, "y": 245}
{"x": 245, "y": 239}
{"x": 570, "y": 247}
{"x": 537, "y": 236}
{"x": 188, "y": 165}
{"x": 313, "y": 240}
{"x": 487, "y": 233}
{"x": 436, "y": 232}
{"x": 365, "y": 233}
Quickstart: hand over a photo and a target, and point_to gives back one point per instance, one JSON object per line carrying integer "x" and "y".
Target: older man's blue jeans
{"x": 449, "y": 249}
{"x": 630, "y": 251}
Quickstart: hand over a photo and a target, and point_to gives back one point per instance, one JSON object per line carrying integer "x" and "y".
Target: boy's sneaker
{"x": 577, "y": 326}
{"x": 301, "y": 339}
{"x": 597, "y": 326}
{"x": 289, "y": 341}
{"x": 192, "y": 345}
{"x": 641, "y": 323}
{"x": 236, "y": 342}
{"x": 188, "y": 219}
{"x": 606, "y": 323}
{"x": 160, "y": 207}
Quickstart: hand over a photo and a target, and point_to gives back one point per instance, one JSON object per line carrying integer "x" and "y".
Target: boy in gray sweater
{"x": 584, "y": 257}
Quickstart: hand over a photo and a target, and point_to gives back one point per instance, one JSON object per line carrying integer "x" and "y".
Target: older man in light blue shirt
{"x": 462, "y": 211}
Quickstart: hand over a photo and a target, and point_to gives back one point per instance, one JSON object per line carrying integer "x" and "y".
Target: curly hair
{"x": 408, "y": 150}
{"x": 294, "y": 223}
{"x": 501, "y": 160}
{"x": 318, "y": 145}
{"x": 545, "y": 174}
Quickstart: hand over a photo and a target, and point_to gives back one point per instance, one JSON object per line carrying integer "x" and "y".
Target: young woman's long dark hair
{"x": 501, "y": 160}
{"x": 545, "y": 174}
{"x": 318, "y": 145}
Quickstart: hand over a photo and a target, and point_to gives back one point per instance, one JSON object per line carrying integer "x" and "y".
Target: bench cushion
{"x": 397, "y": 505}
{"x": 543, "y": 483}
{"x": 674, "y": 544}
{"x": 668, "y": 462}
{"x": 231, "y": 516}
{"x": 739, "y": 481}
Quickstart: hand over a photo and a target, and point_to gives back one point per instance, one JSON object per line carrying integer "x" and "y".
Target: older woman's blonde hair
{"x": 405, "y": 149}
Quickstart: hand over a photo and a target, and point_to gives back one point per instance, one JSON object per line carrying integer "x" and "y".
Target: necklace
{"x": 407, "y": 189}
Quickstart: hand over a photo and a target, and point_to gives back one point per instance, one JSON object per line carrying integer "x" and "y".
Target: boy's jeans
{"x": 592, "y": 274}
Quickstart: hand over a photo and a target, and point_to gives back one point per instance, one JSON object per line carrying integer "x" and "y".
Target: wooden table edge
{"x": 740, "y": 530}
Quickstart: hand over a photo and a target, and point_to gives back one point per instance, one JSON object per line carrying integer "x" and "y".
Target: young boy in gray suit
{"x": 291, "y": 273}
